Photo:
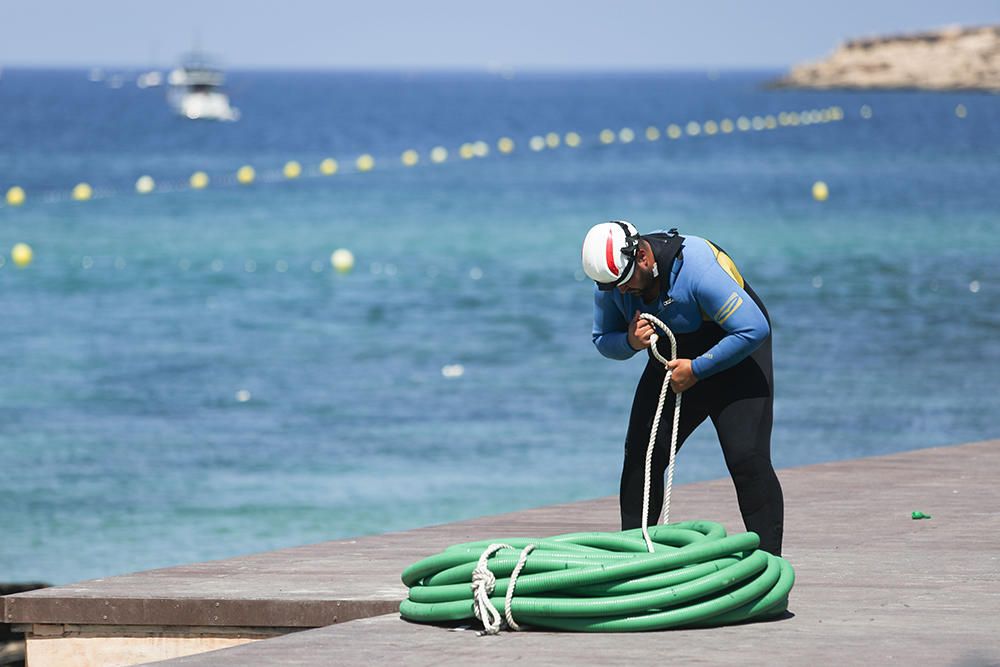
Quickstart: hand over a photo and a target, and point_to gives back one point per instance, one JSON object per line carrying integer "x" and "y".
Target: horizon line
{"x": 498, "y": 70}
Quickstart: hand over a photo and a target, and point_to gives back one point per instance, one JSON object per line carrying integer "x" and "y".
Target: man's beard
{"x": 649, "y": 290}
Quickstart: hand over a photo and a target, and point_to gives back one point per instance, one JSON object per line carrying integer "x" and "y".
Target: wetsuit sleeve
{"x": 729, "y": 306}
{"x": 610, "y": 333}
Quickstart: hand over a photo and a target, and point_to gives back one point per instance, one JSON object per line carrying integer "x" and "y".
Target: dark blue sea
{"x": 183, "y": 375}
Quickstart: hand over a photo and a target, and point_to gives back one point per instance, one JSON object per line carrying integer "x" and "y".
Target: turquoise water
{"x": 127, "y": 340}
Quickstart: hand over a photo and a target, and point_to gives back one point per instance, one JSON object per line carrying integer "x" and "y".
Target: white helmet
{"x": 609, "y": 253}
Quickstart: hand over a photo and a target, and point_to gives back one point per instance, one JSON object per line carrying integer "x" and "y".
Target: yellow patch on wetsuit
{"x": 727, "y": 264}
{"x": 728, "y": 308}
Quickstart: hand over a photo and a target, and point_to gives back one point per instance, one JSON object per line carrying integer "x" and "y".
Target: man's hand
{"x": 682, "y": 377}
{"x": 639, "y": 331}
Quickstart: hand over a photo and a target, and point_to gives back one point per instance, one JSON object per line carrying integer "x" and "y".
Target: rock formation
{"x": 948, "y": 59}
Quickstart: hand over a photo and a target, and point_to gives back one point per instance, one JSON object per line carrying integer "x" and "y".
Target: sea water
{"x": 185, "y": 377}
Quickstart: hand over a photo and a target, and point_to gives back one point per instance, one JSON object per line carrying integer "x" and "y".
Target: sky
{"x": 460, "y": 34}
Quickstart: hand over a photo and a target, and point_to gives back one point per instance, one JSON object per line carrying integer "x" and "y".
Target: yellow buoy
{"x": 866, "y": 111}
{"x": 961, "y": 111}
{"x": 82, "y": 192}
{"x": 711, "y": 127}
{"x": 572, "y": 139}
{"x": 726, "y": 125}
{"x": 466, "y": 152}
{"x": 15, "y": 196}
{"x": 246, "y": 174}
{"x": 342, "y": 260}
{"x": 505, "y": 145}
{"x": 328, "y": 167}
{"x": 607, "y": 136}
{"x": 693, "y": 128}
{"x": 365, "y": 162}
{"x": 674, "y": 131}
{"x": 22, "y": 254}
{"x": 626, "y": 135}
{"x": 439, "y": 154}
{"x": 409, "y": 157}
{"x": 480, "y": 148}
{"x": 199, "y": 180}
{"x": 552, "y": 140}
{"x": 144, "y": 185}
{"x": 536, "y": 143}
{"x": 652, "y": 133}
{"x": 820, "y": 191}
{"x": 743, "y": 123}
{"x": 292, "y": 169}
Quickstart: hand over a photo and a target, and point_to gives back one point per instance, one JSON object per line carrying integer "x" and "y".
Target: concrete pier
{"x": 872, "y": 585}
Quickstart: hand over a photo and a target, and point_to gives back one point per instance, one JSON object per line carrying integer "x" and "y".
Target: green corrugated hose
{"x": 688, "y": 574}
{"x": 609, "y": 582}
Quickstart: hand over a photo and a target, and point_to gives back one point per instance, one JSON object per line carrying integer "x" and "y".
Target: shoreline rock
{"x": 949, "y": 59}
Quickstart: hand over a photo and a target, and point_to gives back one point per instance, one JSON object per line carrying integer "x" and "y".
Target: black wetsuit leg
{"x": 742, "y": 417}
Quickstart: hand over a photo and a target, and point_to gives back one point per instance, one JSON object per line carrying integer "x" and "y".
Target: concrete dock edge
{"x": 872, "y": 583}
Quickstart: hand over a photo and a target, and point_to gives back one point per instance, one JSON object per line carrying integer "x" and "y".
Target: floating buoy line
{"x": 247, "y": 175}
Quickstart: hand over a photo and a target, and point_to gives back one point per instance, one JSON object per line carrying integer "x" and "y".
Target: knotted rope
{"x": 483, "y": 583}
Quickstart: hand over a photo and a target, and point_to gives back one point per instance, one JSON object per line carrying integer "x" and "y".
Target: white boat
{"x": 195, "y": 91}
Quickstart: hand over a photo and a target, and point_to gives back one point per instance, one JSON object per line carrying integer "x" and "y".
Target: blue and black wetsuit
{"x": 722, "y": 326}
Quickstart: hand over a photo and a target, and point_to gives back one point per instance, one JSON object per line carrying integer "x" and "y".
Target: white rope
{"x": 510, "y": 587}
{"x": 483, "y": 583}
{"x": 665, "y": 511}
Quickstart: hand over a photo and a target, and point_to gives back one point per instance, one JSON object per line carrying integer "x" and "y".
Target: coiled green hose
{"x": 609, "y": 582}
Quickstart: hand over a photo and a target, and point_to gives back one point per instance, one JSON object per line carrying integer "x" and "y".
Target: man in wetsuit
{"x": 723, "y": 363}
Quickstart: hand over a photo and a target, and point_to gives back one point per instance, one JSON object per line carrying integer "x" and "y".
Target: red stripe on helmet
{"x": 609, "y": 252}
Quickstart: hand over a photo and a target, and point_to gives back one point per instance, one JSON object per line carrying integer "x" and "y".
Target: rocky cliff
{"x": 947, "y": 59}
